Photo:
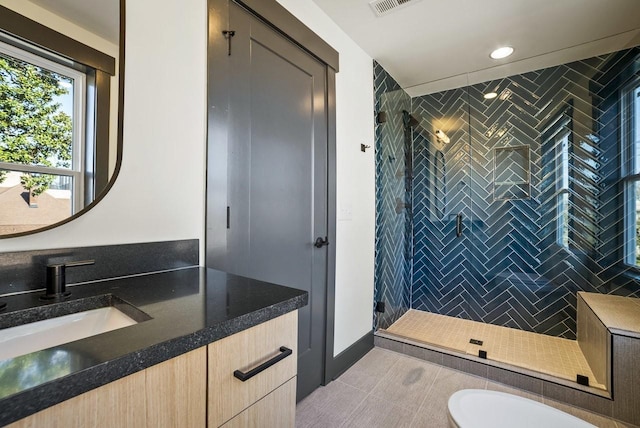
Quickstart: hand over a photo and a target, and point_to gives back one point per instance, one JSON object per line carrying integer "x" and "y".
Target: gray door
{"x": 272, "y": 103}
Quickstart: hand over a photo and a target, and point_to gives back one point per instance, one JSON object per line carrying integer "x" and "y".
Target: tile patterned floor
{"x": 554, "y": 356}
{"x": 388, "y": 389}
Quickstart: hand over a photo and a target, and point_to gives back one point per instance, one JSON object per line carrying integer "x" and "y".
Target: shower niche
{"x": 511, "y": 173}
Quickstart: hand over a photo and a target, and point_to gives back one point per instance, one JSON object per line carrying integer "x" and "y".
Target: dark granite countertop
{"x": 189, "y": 308}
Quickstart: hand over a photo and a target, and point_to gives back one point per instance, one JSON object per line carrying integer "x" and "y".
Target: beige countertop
{"x": 621, "y": 315}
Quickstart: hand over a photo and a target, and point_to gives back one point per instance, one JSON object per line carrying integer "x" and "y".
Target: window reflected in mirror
{"x": 60, "y": 95}
{"x": 42, "y": 118}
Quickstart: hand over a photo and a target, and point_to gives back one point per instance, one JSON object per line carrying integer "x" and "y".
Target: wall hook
{"x": 228, "y": 34}
{"x": 364, "y": 147}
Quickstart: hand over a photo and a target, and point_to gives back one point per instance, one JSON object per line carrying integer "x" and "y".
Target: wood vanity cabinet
{"x": 174, "y": 393}
{"x": 116, "y": 404}
{"x": 267, "y": 399}
{"x": 169, "y": 394}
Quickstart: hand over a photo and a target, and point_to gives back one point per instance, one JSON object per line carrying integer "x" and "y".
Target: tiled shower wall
{"x": 500, "y": 170}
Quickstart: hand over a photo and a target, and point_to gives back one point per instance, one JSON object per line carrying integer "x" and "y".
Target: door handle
{"x": 321, "y": 242}
{"x": 459, "y": 225}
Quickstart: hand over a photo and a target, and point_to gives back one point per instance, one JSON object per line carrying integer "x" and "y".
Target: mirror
{"x": 61, "y": 94}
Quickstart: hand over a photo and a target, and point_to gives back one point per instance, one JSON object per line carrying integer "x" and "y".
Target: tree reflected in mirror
{"x": 36, "y": 123}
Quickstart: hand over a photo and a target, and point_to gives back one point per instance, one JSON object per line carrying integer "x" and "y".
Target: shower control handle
{"x": 459, "y": 225}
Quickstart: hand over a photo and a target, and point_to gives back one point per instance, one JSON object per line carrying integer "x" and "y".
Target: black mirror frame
{"x": 16, "y": 25}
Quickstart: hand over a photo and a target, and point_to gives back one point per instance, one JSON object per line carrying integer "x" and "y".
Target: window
{"x": 42, "y": 130}
{"x": 562, "y": 183}
{"x": 631, "y": 170}
{"x": 556, "y": 142}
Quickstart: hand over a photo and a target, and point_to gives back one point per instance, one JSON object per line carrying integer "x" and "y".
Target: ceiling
{"x": 433, "y": 45}
{"x": 100, "y": 17}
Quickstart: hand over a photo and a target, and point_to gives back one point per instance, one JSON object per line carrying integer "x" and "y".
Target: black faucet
{"x": 56, "y": 281}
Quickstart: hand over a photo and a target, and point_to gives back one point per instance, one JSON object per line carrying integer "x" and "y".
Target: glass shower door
{"x": 443, "y": 272}
{"x": 393, "y": 208}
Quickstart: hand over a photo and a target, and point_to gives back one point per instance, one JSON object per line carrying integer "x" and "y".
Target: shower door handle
{"x": 459, "y": 225}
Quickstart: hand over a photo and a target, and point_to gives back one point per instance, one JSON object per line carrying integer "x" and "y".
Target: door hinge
{"x": 228, "y": 35}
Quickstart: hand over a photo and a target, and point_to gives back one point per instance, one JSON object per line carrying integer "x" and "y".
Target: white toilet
{"x": 479, "y": 408}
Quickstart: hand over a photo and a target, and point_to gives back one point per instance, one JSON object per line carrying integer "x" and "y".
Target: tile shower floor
{"x": 550, "y": 355}
{"x": 389, "y": 389}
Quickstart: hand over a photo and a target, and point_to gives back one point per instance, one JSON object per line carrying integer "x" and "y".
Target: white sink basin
{"x": 27, "y": 338}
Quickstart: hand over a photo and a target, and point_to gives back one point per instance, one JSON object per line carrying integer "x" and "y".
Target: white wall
{"x": 355, "y": 174}
{"x": 159, "y": 194}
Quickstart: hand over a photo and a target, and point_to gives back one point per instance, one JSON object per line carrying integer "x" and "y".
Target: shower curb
{"x": 546, "y": 386}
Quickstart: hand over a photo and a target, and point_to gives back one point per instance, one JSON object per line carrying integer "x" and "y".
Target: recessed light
{"x": 490, "y": 95}
{"x": 502, "y": 52}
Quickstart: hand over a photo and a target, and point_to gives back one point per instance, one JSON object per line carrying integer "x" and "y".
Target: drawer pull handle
{"x": 284, "y": 353}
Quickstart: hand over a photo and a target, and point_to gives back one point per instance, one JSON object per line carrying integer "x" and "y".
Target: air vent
{"x": 384, "y": 7}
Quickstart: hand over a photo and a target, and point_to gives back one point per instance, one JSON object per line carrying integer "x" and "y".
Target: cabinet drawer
{"x": 244, "y": 351}
{"x": 277, "y": 409}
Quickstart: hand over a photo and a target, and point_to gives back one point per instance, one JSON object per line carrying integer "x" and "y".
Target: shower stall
{"x": 500, "y": 209}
